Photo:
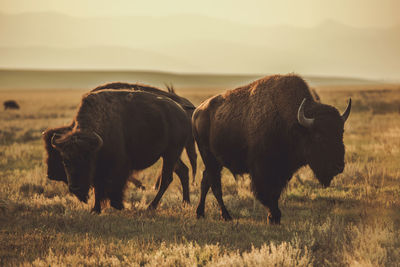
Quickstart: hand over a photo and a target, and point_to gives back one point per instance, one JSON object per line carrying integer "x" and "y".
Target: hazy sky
{"x": 359, "y": 13}
{"x": 184, "y": 36}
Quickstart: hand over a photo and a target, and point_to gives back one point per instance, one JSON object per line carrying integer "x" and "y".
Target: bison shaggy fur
{"x": 190, "y": 147}
{"x": 115, "y": 132}
{"x": 55, "y": 167}
{"x": 269, "y": 129}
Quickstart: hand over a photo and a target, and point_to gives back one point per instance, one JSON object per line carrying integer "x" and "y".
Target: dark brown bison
{"x": 269, "y": 129}
{"x": 10, "y": 104}
{"x": 185, "y": 103}
{"x": 115, "y": 132}
{"x": 55, "y": 168}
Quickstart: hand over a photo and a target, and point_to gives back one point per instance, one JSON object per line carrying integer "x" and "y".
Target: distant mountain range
{"x": 196, "y": 44}
{"x": 42, "y": 79}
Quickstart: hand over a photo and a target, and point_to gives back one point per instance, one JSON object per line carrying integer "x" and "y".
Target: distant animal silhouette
{"x": 10, "y": 104}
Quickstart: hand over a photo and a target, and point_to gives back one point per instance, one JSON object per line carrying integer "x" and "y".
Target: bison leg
{"x": 116, "y": 203}
{"x": 211, "y": 177}
{"x": 116, "y": 193}
{"x": 158, "y": 181}
{"x": 192, "y": 155}
{"x": 116, "y": 199}
{"x": 267, "y": 189}
{"x": 274, "y": 215}
{"x": 270, "y": 200}
{"x": 99, "y": 197}
{"x": 183, "y": 173}
{"x": 205, "y": 186}
{"x": 217, "y": 190}
{"x": 166, "y": 179}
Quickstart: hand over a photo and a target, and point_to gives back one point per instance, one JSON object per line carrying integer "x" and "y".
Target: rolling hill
{"x": 196, "y": 44}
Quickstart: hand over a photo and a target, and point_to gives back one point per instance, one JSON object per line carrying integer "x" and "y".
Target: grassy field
{"x": 355, "y": 222}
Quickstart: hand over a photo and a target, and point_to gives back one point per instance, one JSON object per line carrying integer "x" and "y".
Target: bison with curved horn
{"x": 115, "y": 132}
{"x": 269, "y": 129}
{"x": 181, "y": 168}
{"x": 55, "y": 168}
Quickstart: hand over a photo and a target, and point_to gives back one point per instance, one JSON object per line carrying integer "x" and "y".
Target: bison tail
{"x": 192, "y": 155}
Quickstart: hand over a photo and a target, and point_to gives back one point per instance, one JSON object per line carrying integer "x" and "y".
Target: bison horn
{"x": 303, "y": 120}
{"x": 99, "y": 139}
{"x": 346, "y": 113}
{"x": 54, "y": 139}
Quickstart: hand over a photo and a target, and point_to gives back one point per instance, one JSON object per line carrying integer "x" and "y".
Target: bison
{"x": 55, "y": 168}
{"x": 115, "y": 132}
{"x": 185, "y": 103}
{"x": 10, "y": 104}
{"x": 269, "y": 129}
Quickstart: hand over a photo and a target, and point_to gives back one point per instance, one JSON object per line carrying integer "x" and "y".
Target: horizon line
{"x": 177, "y": 73}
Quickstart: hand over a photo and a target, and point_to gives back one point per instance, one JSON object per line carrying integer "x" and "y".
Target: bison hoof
{"x": 273, "y": 221}
{"x": 200, "y": 216}
{"x": 151, "y": 207}
{"x": 96, "y": 210}
{"x": 226, "y": 217}
{"x": 117, "y": 205}
{"x": 200, "y": 212}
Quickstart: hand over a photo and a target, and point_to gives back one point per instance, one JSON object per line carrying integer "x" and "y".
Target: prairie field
{"x": 354, "y": 222}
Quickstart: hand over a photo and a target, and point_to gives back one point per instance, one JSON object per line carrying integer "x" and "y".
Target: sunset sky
{"x": 359, "y": 13}
{"x": 358, "y": 38}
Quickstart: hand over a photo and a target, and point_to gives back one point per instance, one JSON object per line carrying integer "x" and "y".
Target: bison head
{"x": 78, "y": 151}
{"x": 324, "y": 147}
{"x": 55, "y": 167}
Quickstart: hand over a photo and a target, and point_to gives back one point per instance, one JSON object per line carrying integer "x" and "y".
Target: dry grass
{"x": 355, "y": 222}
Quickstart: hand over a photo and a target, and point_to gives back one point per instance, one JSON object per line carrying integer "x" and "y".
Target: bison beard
{"x": 269, "y": 129}
{"x": 115, "y": 132}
